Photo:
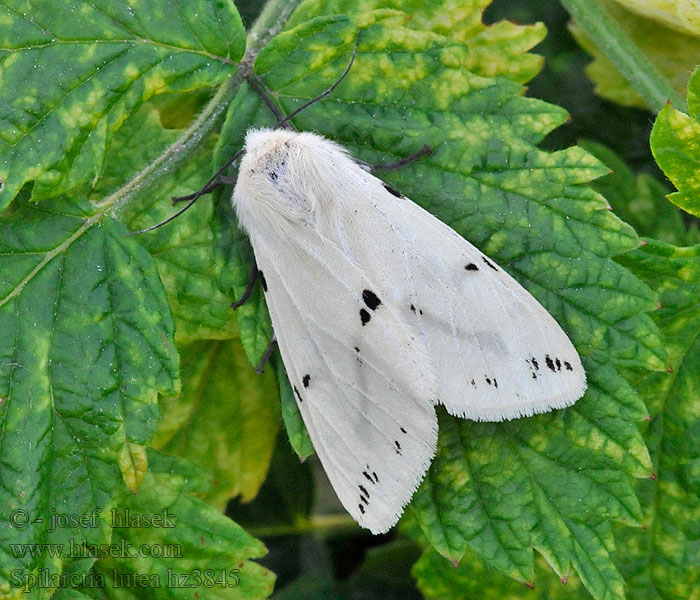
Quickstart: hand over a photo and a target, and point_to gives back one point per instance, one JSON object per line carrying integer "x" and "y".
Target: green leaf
{"x": 89, "y": 346}
{"x": 663, "y": 560}
{"x": 672, "y": 52}
{"x": 233, "y": 251}
{"x": 293, "y": 422}
{"x": 73, "y": 72}
{"x": 641, "y": 200}
{"x": 498, "y": 490}
{"x": 185, "y": 254}
{"x": 531, "y": 210}
{"x": 440, "y": 580}
{"x": 554, "y": 482}
{"x": 495, "y": 50}
{"x": 226, "y": 419}
{"x": 675, "y": 142}
{"x": 192, "y": 551}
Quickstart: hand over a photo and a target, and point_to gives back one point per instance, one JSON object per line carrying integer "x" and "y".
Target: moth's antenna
{"x": 328, "y": 91}
{"x": 281, "y": 122}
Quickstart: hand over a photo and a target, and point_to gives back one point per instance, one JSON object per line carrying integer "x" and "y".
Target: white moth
{"x": 382, "y": 311}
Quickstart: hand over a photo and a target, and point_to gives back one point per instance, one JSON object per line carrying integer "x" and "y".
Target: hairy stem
{"x": 324, "y": 525}
{"x": 600, "y": 26}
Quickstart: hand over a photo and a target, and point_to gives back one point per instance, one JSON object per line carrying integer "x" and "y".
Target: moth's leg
{"x": 249, "y": 288}
{"x": 215, "y": 181}
{"x": 424, "y": 151}
{"x": 266, "y": 355}
{"x": 210, "y": 187}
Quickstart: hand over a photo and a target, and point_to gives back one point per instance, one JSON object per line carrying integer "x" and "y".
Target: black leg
{"x": 249, "y": 289}
{"x": 266, "y": 355}
{"x": 220, "y": 182}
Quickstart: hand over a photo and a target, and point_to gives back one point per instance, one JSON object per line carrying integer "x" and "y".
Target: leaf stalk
{"x": 617, "y": 46}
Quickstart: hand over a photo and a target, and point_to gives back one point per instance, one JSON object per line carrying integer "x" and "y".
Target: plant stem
{"x": 325, "y": 525}
{"x": 617, "y": 46}
{"x": 270, "y": 22}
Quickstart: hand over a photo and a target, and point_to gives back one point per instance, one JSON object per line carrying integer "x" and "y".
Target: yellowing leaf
{"x": 675, "y": 142}
{"x": 226, "y": 418}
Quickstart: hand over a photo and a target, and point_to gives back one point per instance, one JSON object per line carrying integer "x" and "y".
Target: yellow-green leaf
{"x": 675, "y": 142}
{"x": 226, "y": 419}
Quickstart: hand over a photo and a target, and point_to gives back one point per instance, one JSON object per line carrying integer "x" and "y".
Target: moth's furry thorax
{"x": 285, "y": 176}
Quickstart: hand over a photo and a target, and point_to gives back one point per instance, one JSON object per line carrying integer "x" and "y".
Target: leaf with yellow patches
{"x": 88, "y": 348}
{"x": 71, "y": 74}
{"x": 226, "y": 418}
{"x": 675, "y": 142}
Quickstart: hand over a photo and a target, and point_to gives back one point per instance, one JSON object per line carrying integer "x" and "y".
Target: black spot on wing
{"x": 471, "y": 267}
{"x": 489, "y": 263}
{"x": 371, "y": 299}
{"x": 364, "y": 316}
{"x": 296, "y": 391}
{"x": 362, "y": 508}
{"x": 402, "y": 430}
{"x": 306, "y": 380}
{"x": 374, "y": 475}
{"x": 534, "y": 366}
{"x": 550, "y": 363}
{"x": 363, "y": 490}
{"x": 398, "y": 447}
{"x": 357, "y": 349}
{"x": 558, "y": 363}
{"x": 568, "y": 366}
{"x": 392, "y": 191}
{"x": 413, "y": 308}
{"x": 262, "y": 281}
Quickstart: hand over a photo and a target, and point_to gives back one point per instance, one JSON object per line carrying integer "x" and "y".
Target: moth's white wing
{"x": 365, "y": 391}
{"x": 380, "y": 310}
{"x": 497, "y": 353}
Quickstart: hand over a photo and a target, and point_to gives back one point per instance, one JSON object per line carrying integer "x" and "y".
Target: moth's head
{"x": 284, "y": 175}
{"x": 266, "y": 150}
